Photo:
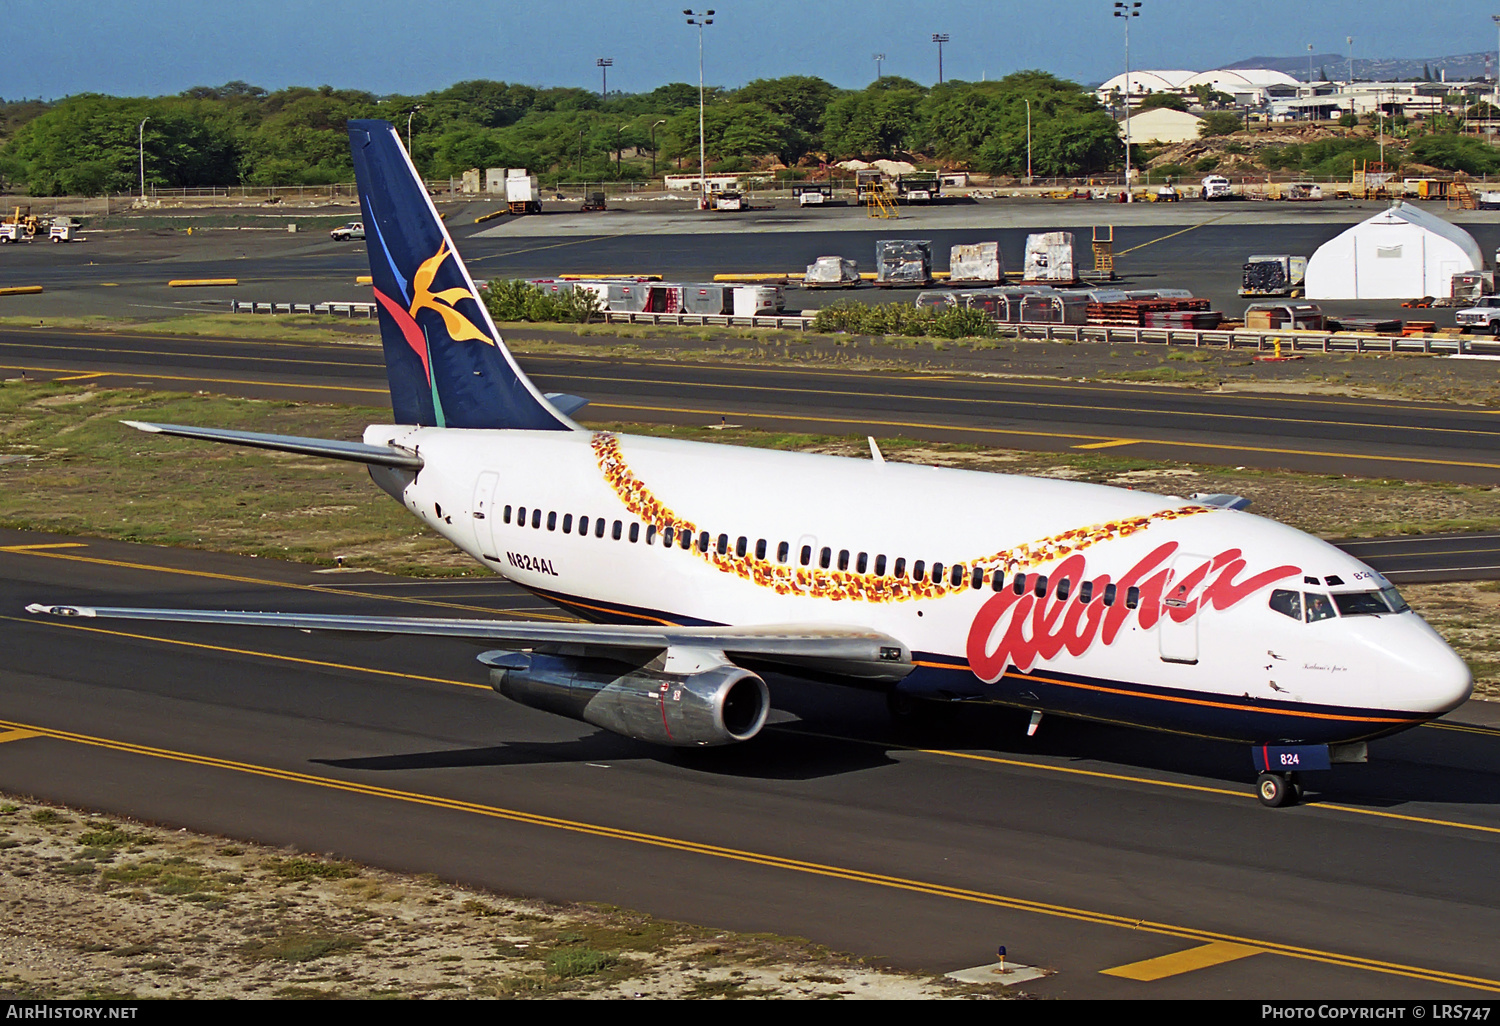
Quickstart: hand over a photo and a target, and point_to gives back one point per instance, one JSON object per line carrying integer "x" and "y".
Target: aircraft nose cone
{"x": 1437, "y": 679}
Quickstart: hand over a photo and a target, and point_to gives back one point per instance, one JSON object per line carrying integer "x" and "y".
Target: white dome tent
{"x": 1400, "y": 253}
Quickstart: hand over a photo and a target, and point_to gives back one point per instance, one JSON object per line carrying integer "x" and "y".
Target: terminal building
{"x": 1280, "y": 97}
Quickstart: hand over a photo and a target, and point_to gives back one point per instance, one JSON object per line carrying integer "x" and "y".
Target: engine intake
{"x": 682, "y": 697}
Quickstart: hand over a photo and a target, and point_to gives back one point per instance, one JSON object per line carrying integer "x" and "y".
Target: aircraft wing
{"x": 839, "y": 650}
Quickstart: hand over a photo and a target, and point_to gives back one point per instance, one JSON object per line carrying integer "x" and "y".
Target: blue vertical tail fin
{"x": 446, "y": 363}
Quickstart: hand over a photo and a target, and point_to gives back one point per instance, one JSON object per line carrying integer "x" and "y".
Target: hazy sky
{"x": 154, "y": 47}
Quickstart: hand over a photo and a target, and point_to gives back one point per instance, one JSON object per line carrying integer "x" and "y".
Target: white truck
{"x": 350, "y": 232}
{"x": 1483, "y": 316}
{"x": 1216, "y": 187}
{"x": 522, "y": 196}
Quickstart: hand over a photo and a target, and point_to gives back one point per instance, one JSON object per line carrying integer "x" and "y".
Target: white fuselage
{"x": 795, "y": 538}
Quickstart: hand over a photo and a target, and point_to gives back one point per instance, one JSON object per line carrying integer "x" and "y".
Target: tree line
{"x": 239, "y": 134}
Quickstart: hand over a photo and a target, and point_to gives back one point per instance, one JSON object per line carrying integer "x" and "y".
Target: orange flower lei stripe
{"x": 816, "y": 582}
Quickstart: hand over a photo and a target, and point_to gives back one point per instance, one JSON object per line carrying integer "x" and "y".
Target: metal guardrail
{"x": 797, "y": 321}
{"x": 366, "y": 310}
{"x": 1260, "y": 340}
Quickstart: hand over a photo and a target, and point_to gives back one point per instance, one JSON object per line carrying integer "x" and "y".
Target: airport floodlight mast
{"x": 1350, "y": 41}
{"x": 1309, "y": 64}
{"x": 409, "y": 115}
{"x": 142, "y": 131}
{"x": 701, "y": 19}
{"x": 940, "y": 38}
{"x": 1127, "y": 11}
{"x": 1496, "y": 19}
{"x": 1028, "y": 141}
{"x": 663, "y": 121}
{"x": 604, "y": 64}
{"x": 878, "y": 58}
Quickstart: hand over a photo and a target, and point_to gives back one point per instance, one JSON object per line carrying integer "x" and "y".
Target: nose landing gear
{"x": 1278, "y": 789}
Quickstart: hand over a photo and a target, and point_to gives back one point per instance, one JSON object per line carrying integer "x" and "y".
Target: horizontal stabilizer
{"x": 355, "y": 452}
{"x": 854, "y": 651}
{"x": 1221, "y": 500}
{"x": 566, "y": 404}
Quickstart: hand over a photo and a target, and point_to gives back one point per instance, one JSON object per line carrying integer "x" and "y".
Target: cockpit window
{"x": 1287, "y": 603}
{"x": 1318, "y": 607}
{"x": 1394, "y": 600}
{"x": 1361, "y": 603}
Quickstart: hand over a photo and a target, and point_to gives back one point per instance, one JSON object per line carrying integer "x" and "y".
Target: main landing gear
{"x": 1278, "y": 789}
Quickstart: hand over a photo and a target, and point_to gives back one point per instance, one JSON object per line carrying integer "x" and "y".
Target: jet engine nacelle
{"x": 680, "y": 697}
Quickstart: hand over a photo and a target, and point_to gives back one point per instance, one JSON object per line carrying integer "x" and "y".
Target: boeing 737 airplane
{"x": 699, "y": 567}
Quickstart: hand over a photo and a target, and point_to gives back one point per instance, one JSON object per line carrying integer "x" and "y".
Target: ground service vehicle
{"x": 1483, "y": 316}
{"x": 1216, "y": 187}
{"x": 918, "y": 187}
{"x": 348, "y": 232}
{"x": 701, "y": 567}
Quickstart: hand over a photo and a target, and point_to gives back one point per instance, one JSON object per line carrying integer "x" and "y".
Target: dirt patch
{"x": 112, "y": 909}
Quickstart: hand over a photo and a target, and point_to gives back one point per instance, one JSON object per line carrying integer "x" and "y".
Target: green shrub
{"x": 518, "y": 301}
{"x": 856, "y": 318}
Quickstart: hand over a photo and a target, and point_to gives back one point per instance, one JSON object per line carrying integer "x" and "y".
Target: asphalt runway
{"x": 1194, "y": 245}
{"x": 1413, "y": 440}
{"x": 1084, "y": 849}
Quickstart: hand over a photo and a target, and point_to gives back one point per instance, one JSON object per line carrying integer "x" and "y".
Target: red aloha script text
{"x": 1039, "y": 628}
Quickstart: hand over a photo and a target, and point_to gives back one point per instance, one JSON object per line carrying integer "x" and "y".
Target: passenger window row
{"x": 955, "y": 576}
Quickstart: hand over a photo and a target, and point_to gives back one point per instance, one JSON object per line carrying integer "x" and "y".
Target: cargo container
{"x": 831, "y": 272}
{"x": 903, "y": 263}
{"x": 758, "y": 300}
{"x": 979, "y": 263}
{"x": 1049, "y": 258}
{"x": 1274, "y": 276}
{"x": 706, "y": 299}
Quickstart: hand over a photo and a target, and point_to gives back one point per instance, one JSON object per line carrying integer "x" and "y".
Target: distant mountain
{"x": 1463, "y": 68}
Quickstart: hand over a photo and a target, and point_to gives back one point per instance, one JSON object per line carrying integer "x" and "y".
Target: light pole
{"x": 940, "y": 38}
{"x": 409, "y": 115}
{"x": 604, "y": 64}
{"x": 1496, "y": 19}
{"x": 1028, "y": 142}
{"x": 653, "y": 146}
{"x": 1349, "y": 40}
{"x": 1309, "y": 67}
{"x": 701, "y": 19}
{"x": 878, "y": 58}
{"x": 142, "y": 141}
{"x": 1127, "y": 11}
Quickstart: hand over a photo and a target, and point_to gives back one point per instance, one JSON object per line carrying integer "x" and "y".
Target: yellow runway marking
{"x": 81, "y": 377}
{"x": 34, "y": 550}
{"x": 1148, "y": 781}
{"x": 1173, "y": 235}
{"x": 1467, "y": 728}
{"x": 1029, "y": 404}
{"x": 248, "y": 652}
{"x": 1109, "y": 445}
{"x": 827, "y": 871}
{"x": 1202, "y": 957}
{"x": 16, "y": 735}
{"x": 149, "y": 375}
{"x": 44, "y": 545}
{"x": 1011, "y": 432}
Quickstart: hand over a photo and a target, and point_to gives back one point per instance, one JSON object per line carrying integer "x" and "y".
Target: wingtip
{"x": 141, "y": 425}
{"x": 38, "y": 608}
